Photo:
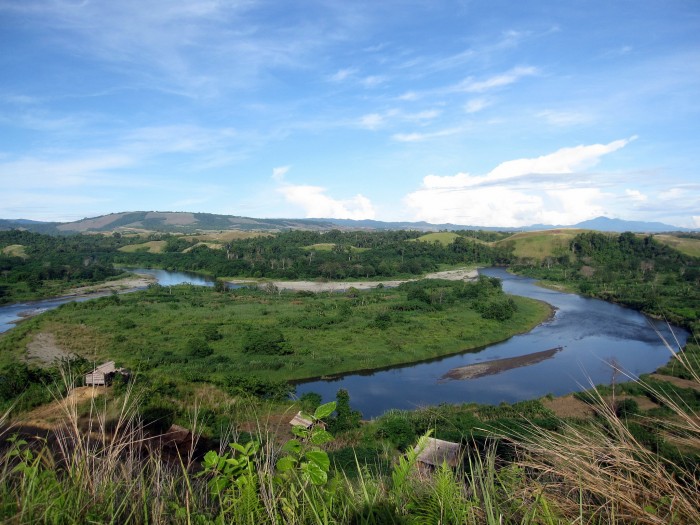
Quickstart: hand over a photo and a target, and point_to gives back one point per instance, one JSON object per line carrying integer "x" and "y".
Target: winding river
{"x": 591, "y": 333}
{"x": 576, "y": 349}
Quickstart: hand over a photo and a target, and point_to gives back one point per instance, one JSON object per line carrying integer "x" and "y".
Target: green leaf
{"x": 293, "y": 446}
{"x": 324, "y": 410}
{"x": 319, "y": 437}
{"x": 300, "y": 431}
{"x": 319, "y": 458}
{"x": 286, "y": 463}
{"x": 314, "y": 473}
{"x": 211, "y": 459}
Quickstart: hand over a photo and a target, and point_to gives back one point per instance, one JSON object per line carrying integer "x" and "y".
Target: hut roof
{"x": 300, "y": 421}
{"x": 105, "y": 368}
{"x": 436, "y": 451}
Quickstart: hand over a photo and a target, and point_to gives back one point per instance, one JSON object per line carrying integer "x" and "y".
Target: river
{"x": 591, "y": 333}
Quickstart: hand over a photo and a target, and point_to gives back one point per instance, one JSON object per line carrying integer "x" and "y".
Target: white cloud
{"x": 636, "y": 195}
{"x": 279, "y": 173}
{"x": 696, "y": 221}
{"x": 420, "y": 137}
{"x": 671, "y": 195}
{"x": 470, "y": 85}
{"x": 371, "y": 121}
{"x": 476, "y": 104}
{"x": 315, "y": 203}
{"x": 373, "y": 81}
{"x": 565, "y": 118}
{"x": 509, "y": 196}
{"x": 342, "y": 74}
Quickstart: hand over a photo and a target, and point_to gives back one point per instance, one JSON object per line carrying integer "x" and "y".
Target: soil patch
{"x": 677, "y": 381}
{"x": 496, "y": 366}
{"x": 569, "y": 407}
{"x": 342, "y": 286}
{"x": 51, "y": 415}
{"x": 44, "y": 350}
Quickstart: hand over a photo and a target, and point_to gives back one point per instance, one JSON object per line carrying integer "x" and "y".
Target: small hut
{"x": 300, "y": 421}
{"x": 102, "y": 375}
{"x": 432, "y": 453}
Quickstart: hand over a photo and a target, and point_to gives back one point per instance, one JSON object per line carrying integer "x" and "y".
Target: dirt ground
{"x": 568, "y": 406}
{"x": 677, "y": 381}
{"x": 121, "y": 285}
{"x": 44, "y": 350}
{"x": 341, "y": 286}
{"x": 50, "y": 415}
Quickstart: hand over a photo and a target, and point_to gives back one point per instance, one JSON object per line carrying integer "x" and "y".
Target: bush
{"x": 199, "y": 348}
{"x": 265, "y": 341}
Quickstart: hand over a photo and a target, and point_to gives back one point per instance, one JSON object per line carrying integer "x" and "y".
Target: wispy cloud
{"x": 472, "y": 85}
{"x": 420, "y": 137}
{"x": 566, "y": 118}
{"x": 279, "y": 173}
{"x": 477, "y": 104}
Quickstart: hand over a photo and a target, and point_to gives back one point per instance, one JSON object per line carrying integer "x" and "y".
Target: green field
{"x": 443, "y": 238}
{"x": 147, "y": 247}
{"x": 682, "y": 244}
{"x": 541, "y": 244}
{"x": 15, "y": 250}
{"x": 197, "y": 334}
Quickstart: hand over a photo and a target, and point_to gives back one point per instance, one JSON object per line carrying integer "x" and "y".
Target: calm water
{"x": 591, "y": 333}
{"x": 10, "y": 314}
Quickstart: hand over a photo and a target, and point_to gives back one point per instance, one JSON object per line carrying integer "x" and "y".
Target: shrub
{"x": 265, "y": 341}
{"x": 199, "y": 348}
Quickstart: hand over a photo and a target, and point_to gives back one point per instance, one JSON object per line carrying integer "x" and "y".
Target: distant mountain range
{"x": 185, "y": 222}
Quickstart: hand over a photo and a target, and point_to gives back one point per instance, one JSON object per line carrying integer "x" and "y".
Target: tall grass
{"x": 112, "y": 471}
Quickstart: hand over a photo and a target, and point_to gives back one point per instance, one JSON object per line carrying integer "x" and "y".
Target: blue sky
{"x": 493, "y": 113}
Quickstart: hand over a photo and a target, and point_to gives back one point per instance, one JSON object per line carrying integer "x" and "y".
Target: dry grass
{"x": 682, "y": 244}
{"x": 15, "y": 250}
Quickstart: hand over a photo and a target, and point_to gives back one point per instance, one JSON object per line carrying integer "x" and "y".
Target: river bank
{"x": 460, "y": 274}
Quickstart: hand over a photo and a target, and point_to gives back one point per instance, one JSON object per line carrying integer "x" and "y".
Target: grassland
{"x": 148, "y": 247}
{"x": 682, "y": 244}
{"x": 323, "y": 334}
{"x": 329, "y": 246}
{"x": 15, "y": 250}
{"x": 443, "y": 238}
{"x": 541, "y": 244}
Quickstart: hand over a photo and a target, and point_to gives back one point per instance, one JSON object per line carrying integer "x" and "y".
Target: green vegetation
{"x": 688, "y": 244}
{"x": 444, "y": 238}
{"x": 519, "y": 464}
{"x": 542, "y": 244}
{"x": 144, "y": 247}
{"x": 191, "y": 333}
{"x": 220, "y": 362}
{"x": 633, "y": 270}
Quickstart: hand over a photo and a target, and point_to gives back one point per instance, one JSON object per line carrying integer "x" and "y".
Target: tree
{"x": 345, "y": 418}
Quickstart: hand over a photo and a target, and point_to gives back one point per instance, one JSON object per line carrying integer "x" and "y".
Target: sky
{"x": 472, "y": 112}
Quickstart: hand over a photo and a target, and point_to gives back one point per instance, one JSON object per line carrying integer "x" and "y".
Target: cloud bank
{"x": 550, "y": 189}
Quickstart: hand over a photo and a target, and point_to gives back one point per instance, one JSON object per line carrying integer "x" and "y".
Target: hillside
{"x": 188, "y": 222}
